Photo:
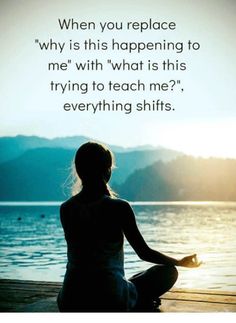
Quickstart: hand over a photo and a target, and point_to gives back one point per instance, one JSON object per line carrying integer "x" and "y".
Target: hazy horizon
{"x": 121, "y": 145}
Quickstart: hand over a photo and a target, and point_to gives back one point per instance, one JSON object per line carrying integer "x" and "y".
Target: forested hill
{"x": 39, "y": 169}
{"x": 44, "y": 174}
{"x": 184, "y": 178}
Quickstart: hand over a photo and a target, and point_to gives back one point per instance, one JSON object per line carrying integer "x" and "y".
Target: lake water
{"x": 32, "y": 244}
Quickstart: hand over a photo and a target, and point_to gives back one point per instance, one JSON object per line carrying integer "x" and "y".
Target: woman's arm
{"x": 139, "y": 245}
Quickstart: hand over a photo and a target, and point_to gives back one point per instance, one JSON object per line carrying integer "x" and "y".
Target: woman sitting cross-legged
{"x": 95, "y": 223}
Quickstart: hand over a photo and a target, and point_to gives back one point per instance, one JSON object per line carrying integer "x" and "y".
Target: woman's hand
{"x": 189, "y": 261}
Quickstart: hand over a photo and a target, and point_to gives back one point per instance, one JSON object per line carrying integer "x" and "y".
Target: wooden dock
{"x": 37, "y": 296}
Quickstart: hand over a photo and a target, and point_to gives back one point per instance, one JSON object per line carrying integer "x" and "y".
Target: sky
{"x": 203, "y": 120}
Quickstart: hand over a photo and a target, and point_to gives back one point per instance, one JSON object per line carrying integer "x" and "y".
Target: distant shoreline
{"x": 148, "y": 203}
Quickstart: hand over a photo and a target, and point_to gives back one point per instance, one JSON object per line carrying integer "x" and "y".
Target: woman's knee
{"x": 168, "y": 276}
{"x": 167, "y": 271}
{"x": 173, "y": 273}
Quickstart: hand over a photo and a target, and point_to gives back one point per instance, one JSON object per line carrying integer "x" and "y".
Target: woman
{"x": 95, "y": 224}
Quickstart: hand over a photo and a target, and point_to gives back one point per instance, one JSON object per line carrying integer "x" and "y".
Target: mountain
{"x": 13, "y": 147}
{"x": 38, "y": 174}
{"x": 128, "y": 162}
{"x": 45, "y": 173}
{"x": 184, "y": 178}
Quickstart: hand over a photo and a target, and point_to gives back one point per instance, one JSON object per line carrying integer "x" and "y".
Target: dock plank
{"x": 206, "y": 298}
{"x": 170, "y": 306}
{"x": 39, "y": 296}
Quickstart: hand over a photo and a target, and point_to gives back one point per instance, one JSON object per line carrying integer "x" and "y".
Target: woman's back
{"x": 92, "y": 230}
{"x": 95, "y": 269}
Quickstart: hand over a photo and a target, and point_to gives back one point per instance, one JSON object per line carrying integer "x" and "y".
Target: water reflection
{"x": 34, "y": 247}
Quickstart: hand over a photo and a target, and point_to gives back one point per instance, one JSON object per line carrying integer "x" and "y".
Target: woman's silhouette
{"x": 95, "y": 224}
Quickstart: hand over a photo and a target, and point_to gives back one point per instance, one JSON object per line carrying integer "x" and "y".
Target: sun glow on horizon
{"x": 213, "y": 139}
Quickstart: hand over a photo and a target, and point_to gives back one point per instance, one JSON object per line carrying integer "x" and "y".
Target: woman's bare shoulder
{"x": 70, "y": 202}
{"x": 117, "y": 202}
{"x": 106, "y": 200}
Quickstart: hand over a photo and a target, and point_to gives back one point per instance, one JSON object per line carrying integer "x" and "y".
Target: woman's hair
{"x": 93, "y": 163}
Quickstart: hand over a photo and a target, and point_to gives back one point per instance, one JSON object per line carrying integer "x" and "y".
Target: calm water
{"x": 32, "y": 245}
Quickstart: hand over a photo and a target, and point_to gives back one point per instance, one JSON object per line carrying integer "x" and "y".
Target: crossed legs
{"x": 152, "y": 283}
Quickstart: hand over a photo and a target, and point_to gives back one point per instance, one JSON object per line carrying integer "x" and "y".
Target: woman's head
{"x": 93, "y": 164}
